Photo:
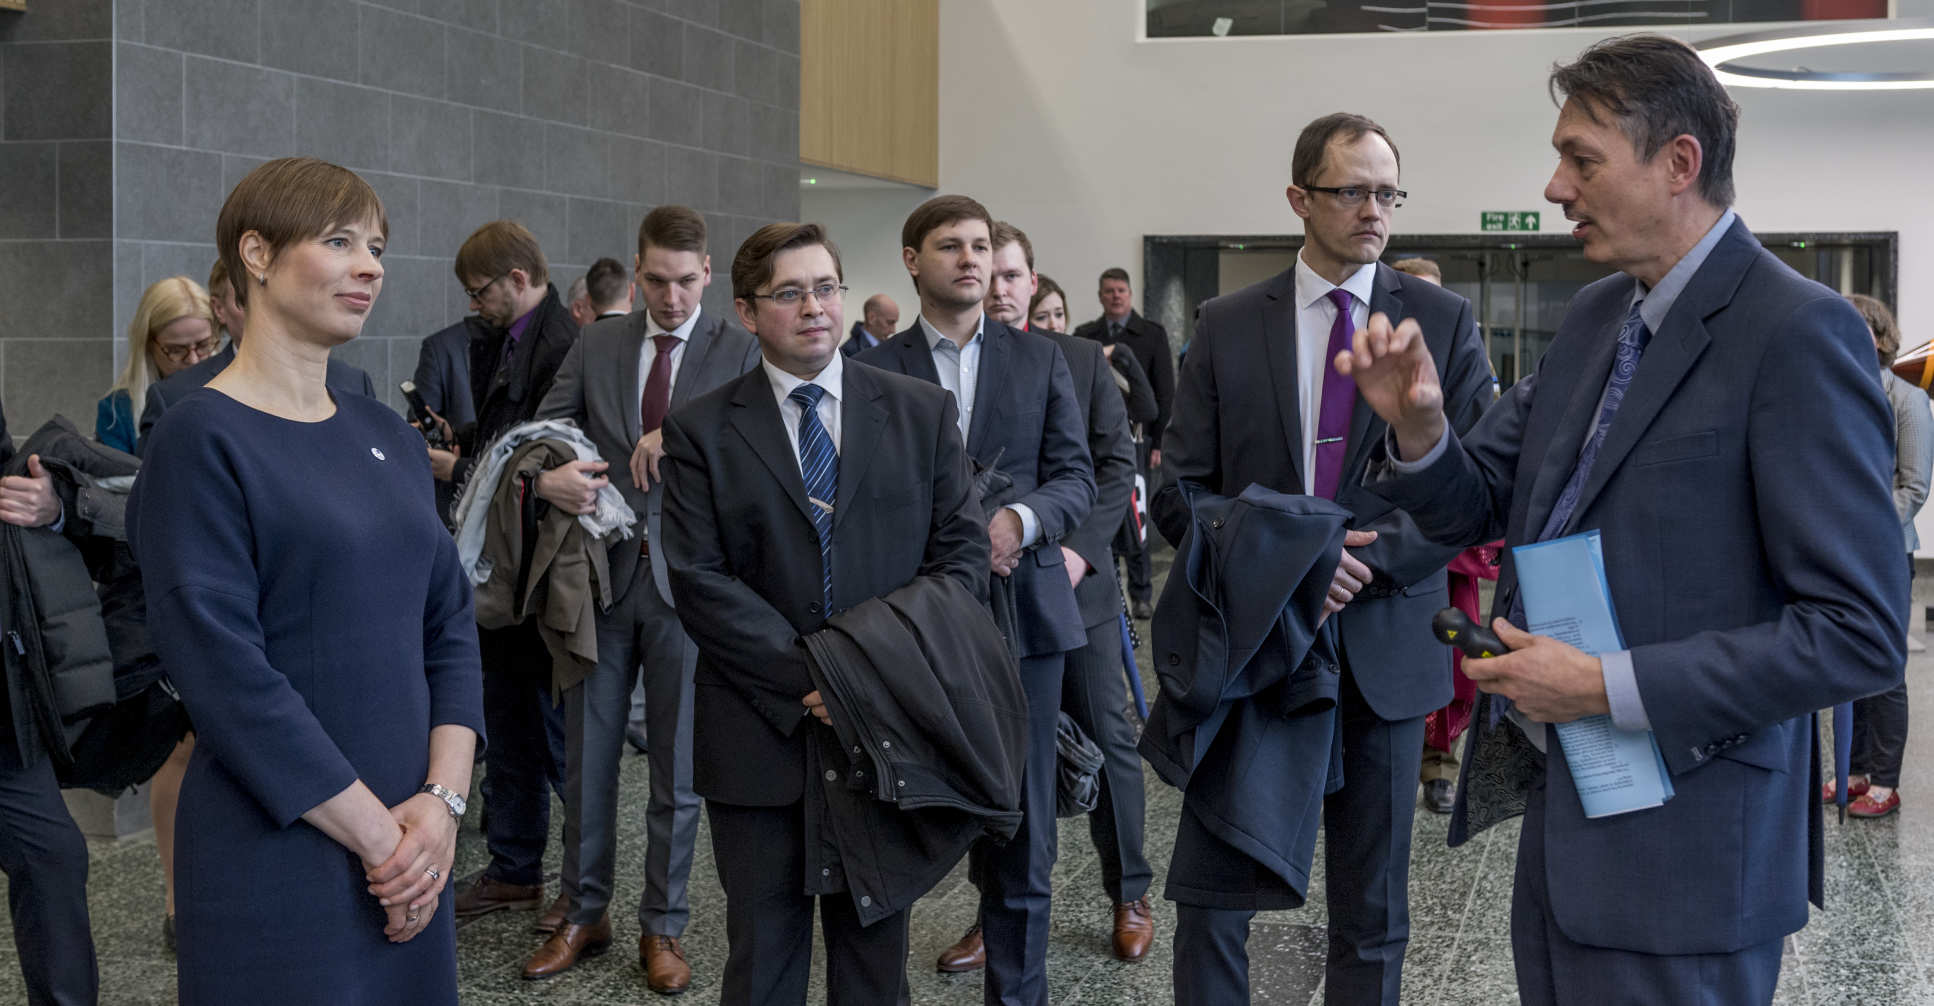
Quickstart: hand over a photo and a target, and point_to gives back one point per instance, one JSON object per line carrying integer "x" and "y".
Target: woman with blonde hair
{"x": 173, "y": 329}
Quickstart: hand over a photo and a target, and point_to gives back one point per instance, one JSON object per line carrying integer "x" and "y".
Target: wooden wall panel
{"x": 869, "y": 95}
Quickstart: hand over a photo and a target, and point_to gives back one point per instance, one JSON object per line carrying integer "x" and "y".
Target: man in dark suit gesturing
{"x": 1257, "y": 405}
{"x": 1714, "y": 416}
{"x": 801, "y": 489}
{"x": 622, "y": 377}
{"x": 1018, "y": 414}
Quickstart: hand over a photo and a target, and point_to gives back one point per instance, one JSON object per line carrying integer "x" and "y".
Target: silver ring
{"x": 433, "y": 874}
{"x": 410, "y": 918}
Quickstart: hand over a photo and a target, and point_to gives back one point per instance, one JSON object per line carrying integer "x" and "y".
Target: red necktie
{"x": 657, "y": 399}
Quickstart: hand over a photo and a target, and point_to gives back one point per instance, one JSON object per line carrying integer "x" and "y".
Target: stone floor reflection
{"x": 1872, "y": 947}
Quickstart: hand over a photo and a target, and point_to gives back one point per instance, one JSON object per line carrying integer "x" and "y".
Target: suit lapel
{"x": 1386, "y": 297}
{"x": 700, "y": 343}
{"x": 862, "y": 420}
{"x": 756, "y": 416}
{"x": 631, "y": 348}
{"x": 1279, "y": 338}
{"x": 995, "y": 347}
{"x": 915, "y": 355}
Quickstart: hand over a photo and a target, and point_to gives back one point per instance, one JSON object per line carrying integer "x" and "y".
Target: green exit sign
{"x": 1510, "y": 220}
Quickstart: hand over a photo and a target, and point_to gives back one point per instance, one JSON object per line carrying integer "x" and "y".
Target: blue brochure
{"x": 1567, "y": 598}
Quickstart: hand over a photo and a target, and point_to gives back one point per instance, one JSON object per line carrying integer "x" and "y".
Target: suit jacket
{"x": 1238, "y": 422}
{"x": 856, "y": 341}
{"x": 1753, "y": 555}
{"x": 744, "y": 556}
{"x": 342, "y": 378}
{"x": 1028, "y": 424}
{"x": 597, "y": 386}
{"x": 1150, "y": 343}
{"x": 507, "y": 389}
{"x": 443, "y": 370}
{"x": 1113, "y": 454}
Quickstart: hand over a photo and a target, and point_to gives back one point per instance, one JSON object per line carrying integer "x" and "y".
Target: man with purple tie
{"x": 1257, "y": 403}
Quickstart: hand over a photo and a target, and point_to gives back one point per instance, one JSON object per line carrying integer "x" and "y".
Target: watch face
{"x": 458, "y": 804}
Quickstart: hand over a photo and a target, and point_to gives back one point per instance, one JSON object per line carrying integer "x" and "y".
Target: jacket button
{"x": 865, "y": 901}
{"x": 1174, "y": 658}
{"x": 825, "y": 871}
{"x": 1216, "y": 523}
{"x": 903, "y": 784}
{"x": 886, "y": 745}
{"x": 832, "y": 776}
{"x": 856, "y": 749}
{"x": 813, "y": 607}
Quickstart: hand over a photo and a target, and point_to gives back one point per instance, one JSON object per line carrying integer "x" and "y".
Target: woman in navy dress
{"x": 310, "y": 607}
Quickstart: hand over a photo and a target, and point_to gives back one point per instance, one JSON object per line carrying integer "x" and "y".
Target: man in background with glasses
{"x": 1258, "y": 404}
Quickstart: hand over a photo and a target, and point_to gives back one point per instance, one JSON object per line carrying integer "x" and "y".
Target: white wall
{"x": 1060, "y": 121}
{"x": 865, "y": 223}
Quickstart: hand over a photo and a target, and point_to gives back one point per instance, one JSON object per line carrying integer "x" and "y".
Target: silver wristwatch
{"x": 450, "y": 799}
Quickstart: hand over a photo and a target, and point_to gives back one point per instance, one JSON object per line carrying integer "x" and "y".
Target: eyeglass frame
{"x": 478, "y": 293}
{"x": 179, "y": 354}
{"x": 1396, "y": 199}
{"x": 832, "y": 291}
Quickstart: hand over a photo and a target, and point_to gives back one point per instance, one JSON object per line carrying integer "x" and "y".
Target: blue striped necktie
{"x": 819, "y": 463}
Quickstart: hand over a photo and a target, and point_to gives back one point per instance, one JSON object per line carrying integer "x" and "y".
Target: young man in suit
{"x": 805, "y": 487}
{"x": 1121, "y": 323}
{"x": 1018, "y": 413}
{"x": 623, "y": 377}
{"x": 1714, "y": 416}
{"x": 1256, "y": 405}
{"x": 1092, "y": 686}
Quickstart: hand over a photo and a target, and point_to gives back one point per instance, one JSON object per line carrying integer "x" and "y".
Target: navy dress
{"x": 309, "y": 605}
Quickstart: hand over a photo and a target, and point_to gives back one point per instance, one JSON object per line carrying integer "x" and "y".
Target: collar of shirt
{"x": 1311, "y": 288}
{"x": 683, "y": 333}
{"x": 935, "y": 338}
{"x": 521, "y": 325}
{"x": 1656, "y": 303}
{"x": 830, "y": 379}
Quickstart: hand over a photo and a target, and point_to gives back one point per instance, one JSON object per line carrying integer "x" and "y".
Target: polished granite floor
{"x": 1874, "y": 946}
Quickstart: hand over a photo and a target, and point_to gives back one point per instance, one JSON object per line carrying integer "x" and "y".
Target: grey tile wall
{"x": 56, "y": 211}
{"x": 124, "y": 123}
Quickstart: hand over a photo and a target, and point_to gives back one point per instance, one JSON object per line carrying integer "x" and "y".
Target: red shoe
{"x": 1856, "y": 788}
{"x": 1867, "y": 806}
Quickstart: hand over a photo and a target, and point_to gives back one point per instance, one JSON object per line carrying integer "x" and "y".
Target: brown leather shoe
{"x": 664, "y": 963}
{"x": 1134, "y": 929}
{"x": 572, "y": 941}
{"x": 486, "y": 894}
{"x": 553, "y": 916}
{"x": 970, "y": 954}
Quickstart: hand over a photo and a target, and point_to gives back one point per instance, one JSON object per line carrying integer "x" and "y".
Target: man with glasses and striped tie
{"x": 809, "y": 485}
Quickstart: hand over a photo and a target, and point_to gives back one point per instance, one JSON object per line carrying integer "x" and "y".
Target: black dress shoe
{"x": 1438, "y": 795}
{"x": 1141, "y": 609}
{"x": 635, "y": 736}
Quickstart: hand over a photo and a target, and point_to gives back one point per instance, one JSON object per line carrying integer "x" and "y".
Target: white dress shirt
{"x": 649, "y": 351}
{"x": 1315, "y": 314}
{"x": 782, "y": 385}
{"x": 959, "y": 371}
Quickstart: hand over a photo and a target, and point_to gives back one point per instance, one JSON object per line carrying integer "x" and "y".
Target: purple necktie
{"x": 1334, "y": 408}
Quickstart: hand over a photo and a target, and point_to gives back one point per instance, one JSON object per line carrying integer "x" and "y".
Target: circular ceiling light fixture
{"x": 1724, "y": 54}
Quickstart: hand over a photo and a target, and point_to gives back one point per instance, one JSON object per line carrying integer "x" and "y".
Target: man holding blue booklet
{"x": 1714, "y": 417}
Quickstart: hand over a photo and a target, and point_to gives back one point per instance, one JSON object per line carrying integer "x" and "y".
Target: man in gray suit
{"x": 1715, "y": 417}
{"x": 619, "y": 382}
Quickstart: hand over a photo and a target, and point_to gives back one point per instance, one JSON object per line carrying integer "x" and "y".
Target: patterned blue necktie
{"x": 1631, "y": 345}
{"x": 819, "y": 463}
{"x": 1632, "y": 339}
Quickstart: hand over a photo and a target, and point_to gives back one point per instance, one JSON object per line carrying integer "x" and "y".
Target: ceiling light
{"x": 1723, "y": 54}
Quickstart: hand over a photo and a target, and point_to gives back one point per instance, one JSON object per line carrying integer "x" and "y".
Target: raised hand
{"x": 1396, "y": 376}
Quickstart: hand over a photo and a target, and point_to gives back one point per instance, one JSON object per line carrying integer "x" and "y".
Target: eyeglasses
{"x": 478, "y": 293}
{"x": 1354, "y": 195}
{"x": 181, "y": 353}
{"x": 792, "y": 295}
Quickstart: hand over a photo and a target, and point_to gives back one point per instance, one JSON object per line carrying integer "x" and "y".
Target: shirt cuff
{"x": 60, "y": 521}
{"x": 1030, "y": 524}
{"x": 1430, "y": 457}
{"x": 1622, "y": 692}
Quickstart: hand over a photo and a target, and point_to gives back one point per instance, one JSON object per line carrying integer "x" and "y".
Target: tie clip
{"x": 1320, "y": 441}
{"x": 820, "y": 503}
